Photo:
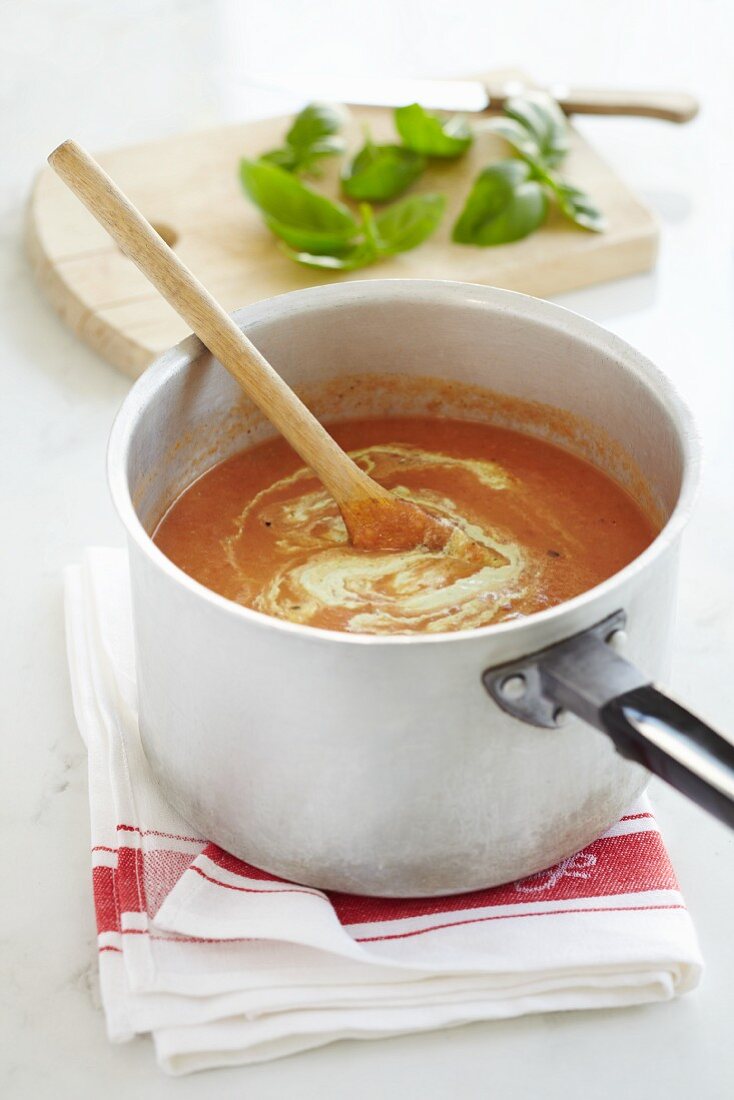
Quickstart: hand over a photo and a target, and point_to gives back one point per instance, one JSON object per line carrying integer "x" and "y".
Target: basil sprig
{"x": 312, "y": 136}
{"x": 509, "y": 200}
{"x": 426, "y": 133}
{"x": 535, "y": 126}
{"x": 320, "y": 233}
{"x": 381, "y": 172}
{"x": 399, "y": 228}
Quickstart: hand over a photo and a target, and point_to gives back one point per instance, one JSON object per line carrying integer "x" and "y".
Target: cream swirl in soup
{"x": 380, "y": 591}
{"x": 260, "y": 529}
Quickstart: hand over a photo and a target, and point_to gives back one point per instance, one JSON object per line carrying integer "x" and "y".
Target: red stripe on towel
{"x": 630, "y": 864}
{"x": 512, "y": 916}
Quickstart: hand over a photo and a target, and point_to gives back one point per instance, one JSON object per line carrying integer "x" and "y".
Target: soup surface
{"x": 259, "y": 529}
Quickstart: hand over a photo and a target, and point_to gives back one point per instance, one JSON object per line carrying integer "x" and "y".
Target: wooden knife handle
{"x": 671, "y": 106}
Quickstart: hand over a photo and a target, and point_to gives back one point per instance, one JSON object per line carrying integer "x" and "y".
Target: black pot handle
{"x": 585, "y": 675}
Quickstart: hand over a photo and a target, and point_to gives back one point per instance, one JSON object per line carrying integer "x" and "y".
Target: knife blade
{"x": 474, "y": 96}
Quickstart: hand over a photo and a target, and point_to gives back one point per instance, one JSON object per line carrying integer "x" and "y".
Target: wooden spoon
{"x": 374, "y": 517}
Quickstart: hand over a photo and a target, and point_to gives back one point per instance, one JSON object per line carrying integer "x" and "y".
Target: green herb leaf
{"x": 577, "y": 205}
{"x": 429, "y": 135}
{"x": 380, "y": 172}
{"x": 311, "y": 137}
{"x": 314, "y": 122}
{"x": 545, "y": 123}
{"x": 408, "y": 223}
{"x": 505, "y": 204}
{"x": 306, "y": 220}
{"x": 308, "y": 240}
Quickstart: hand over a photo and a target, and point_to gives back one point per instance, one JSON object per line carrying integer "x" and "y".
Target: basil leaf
{"x": 316, "y": 121}
{"x": 308, "y": 240}
{"x": 408, "y": 223}
{"x": 311, "y": 137}
{"x": 427, "y": 134}
{"x": 380, "y": 172}
{"x": 577, "y": 205}
{"x": 294, "y": 211}
{"x": 545, "y": 123}
{"x": 505, "y": 204}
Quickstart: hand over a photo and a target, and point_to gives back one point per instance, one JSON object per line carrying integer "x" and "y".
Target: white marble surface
{"x": 111, "y": 72}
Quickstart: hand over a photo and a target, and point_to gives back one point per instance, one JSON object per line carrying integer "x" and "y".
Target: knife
{"x": 478, "y": 96}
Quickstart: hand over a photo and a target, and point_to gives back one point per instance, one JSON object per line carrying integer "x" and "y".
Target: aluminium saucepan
{"x": 423, "y": 764}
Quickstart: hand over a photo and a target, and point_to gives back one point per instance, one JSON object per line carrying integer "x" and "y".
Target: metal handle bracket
{"x": 537, "y": 689}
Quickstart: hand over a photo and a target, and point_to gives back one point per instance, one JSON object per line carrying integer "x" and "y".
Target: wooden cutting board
{"x": 188, "y": 187}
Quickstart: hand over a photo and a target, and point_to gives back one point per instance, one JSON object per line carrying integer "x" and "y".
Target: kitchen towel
{"x": 224, "y": 964}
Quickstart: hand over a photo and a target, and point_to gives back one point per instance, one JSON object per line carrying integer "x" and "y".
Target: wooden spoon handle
{"x": 214, "y": 327}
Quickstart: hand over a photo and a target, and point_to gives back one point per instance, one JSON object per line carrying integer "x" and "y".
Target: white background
{"x": 109, "y": 73}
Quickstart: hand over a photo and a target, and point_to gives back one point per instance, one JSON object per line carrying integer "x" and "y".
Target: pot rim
{"x": 177, "y": 358}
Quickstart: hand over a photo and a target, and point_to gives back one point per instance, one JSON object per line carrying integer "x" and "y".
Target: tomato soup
{"x": 260, "y": 529}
